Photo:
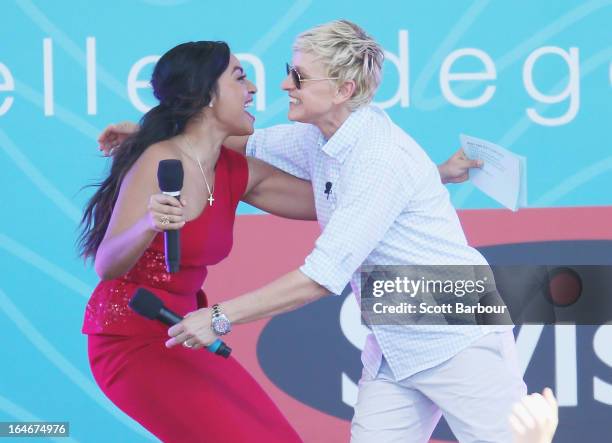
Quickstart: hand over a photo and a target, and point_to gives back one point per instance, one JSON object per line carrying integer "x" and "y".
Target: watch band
{"x": 216, "y": 310}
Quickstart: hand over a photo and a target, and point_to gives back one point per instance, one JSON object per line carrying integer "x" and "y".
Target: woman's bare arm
{"x": 279, "y": 193}
{"x": 136, "y": 217}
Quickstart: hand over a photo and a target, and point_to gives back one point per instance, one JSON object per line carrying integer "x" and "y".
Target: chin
{"x": 245, "y": 130}
{"x": 296, "y": 117}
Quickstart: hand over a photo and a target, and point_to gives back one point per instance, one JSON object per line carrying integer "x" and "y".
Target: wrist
{"x": 442, "y": 172}
{"x": 220, "y": 323}
{"x": 147, "y": 224}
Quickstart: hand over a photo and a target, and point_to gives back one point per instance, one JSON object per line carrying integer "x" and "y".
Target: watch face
{"x": 221, "y": 325}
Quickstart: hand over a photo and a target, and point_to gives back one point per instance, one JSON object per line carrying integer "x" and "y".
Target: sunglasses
{"x": 297, "y": 77}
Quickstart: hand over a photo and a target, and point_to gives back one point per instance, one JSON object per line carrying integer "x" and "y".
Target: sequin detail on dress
{"x": 108, "y": 305}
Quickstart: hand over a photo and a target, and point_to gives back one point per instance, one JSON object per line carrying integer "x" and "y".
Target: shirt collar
{"x": 341, "y": 143}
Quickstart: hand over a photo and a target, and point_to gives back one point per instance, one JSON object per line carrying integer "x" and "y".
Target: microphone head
{"x": 170, "y": 175}
{"x": 146, "y": 303}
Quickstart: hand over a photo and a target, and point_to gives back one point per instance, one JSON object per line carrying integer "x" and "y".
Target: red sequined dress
{"x": 178, "y": 394}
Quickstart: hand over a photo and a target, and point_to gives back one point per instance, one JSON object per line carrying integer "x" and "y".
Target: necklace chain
{"x": 210, "y": 198}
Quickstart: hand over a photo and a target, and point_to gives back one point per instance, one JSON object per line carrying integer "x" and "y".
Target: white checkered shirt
{"x": 386, "y": 205}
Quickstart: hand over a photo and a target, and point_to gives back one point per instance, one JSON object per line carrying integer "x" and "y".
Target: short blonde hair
{"x": 348, "y": 53}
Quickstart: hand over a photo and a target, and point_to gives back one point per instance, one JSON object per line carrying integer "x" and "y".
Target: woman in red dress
{"x": 179, "y": 394}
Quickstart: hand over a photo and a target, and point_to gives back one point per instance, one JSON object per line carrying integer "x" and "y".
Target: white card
{"x": 503, "y": 176}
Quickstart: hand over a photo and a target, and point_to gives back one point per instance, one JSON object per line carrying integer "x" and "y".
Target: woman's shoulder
{"x": 162, "y": 150}
{"x": 150, "y": 158}
{"x": 144, "y": 169}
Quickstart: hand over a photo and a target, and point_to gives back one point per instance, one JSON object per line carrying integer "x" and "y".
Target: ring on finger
{"x": 164, "y": 220}
{"x": 187, "y": 345}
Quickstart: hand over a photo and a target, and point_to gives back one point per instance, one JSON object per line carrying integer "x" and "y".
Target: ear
{"x": 344, "y": 92}
{"x": 211, "y": 108}
{"x": 213, "y": 99}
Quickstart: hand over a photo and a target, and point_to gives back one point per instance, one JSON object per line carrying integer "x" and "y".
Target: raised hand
{"x": 113, "y": 135}
{"x": 457, "y": 168}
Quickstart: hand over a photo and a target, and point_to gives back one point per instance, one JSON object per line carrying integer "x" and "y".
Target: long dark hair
{"x": 184, "y": 81}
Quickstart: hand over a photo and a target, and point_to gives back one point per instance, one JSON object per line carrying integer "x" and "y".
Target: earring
{"x": 210, "y": 105}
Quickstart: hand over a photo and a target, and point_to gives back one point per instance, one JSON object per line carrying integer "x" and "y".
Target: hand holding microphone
{"x": 148, "y": 305}
{"x": 167, "y": 210}
{"x": 166, "y": 213}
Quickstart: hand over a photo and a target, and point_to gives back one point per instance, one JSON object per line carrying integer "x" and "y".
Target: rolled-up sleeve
{"x": 287, "y": 147}
{"x": 368, "y": 205}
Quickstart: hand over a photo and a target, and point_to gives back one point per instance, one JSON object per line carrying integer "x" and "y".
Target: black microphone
{"x": 148, "y": 305}
{"x": 328, "y": 190}
{"x": 170, "y": 179}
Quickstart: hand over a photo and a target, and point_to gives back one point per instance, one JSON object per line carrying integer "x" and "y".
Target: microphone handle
{"x": 170, "y": 318}
{"x": 172, "y": 244}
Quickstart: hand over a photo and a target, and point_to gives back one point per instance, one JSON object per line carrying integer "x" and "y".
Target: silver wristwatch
{"x": 220, "y": 323}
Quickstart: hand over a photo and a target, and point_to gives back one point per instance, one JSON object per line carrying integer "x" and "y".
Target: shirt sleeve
{"x": 285, "y": 146}
{"x": 368, "y": 205}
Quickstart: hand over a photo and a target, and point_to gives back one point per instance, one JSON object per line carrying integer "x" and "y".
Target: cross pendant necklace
{"x": 210, "y": 198}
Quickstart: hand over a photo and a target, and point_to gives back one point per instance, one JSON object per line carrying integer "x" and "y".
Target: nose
{"x": 287, "y": 83}
{"x": 251, "y": 87}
